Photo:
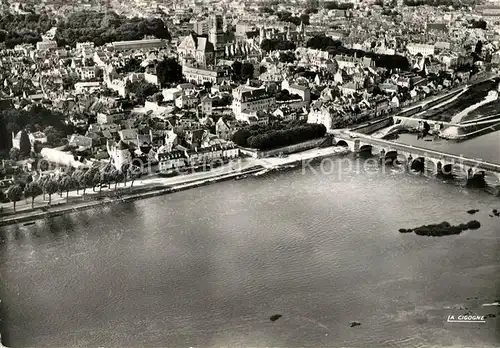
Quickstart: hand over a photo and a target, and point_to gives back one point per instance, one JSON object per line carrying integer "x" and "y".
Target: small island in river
{"x": 442, "y": 229}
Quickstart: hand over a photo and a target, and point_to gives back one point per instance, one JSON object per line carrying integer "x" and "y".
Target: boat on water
{"x": 29, "y": 223}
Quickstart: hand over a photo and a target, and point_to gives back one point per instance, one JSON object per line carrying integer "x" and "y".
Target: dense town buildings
{"x": 235, "y": 66}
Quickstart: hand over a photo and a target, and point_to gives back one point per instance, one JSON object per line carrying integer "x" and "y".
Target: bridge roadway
{"x": 477, "y": 164}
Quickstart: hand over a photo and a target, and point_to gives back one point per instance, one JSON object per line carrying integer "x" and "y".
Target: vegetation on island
{"x": 442, "y": 229}
{"x": 277, "y": 135}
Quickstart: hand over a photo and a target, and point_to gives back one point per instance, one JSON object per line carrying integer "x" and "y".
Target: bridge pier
{"x": 444, "y": 170}
{"x": 418, "y": 164}
{"x": 387, "y": 158}
{"x": 475, "y": 178}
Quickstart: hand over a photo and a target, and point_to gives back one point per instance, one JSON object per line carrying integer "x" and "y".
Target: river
{"x": 208, "y": 267}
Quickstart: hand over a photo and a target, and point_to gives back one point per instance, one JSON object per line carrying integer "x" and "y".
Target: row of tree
{"x": 79, "y": 180}
{"x": 285, "y": 137}
{"x": 277, "y": 134}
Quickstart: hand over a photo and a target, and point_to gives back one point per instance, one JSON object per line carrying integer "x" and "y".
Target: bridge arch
{"x": 418, "y": 164}
{"x": 388, "y": 156}
{"x": 444, "y": 169}
{"x": 366, "y": 149}
{"x": 342, "y": 143}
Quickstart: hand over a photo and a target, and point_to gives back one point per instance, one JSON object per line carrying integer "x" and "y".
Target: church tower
{"x": 216, "y": 34}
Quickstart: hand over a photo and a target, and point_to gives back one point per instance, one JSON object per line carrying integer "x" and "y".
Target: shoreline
{"x": 123, "y": 195}
{"x": 152, "y": 191}
{"x": 159, "y": 186}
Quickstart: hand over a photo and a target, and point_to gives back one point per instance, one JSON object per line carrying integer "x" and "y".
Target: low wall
{"x": 413, "y": 122}
{"x": 286, "y": 149}
{"x": 373, "y": 126}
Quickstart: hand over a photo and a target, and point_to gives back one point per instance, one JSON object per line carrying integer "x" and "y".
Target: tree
{"x": 53, "y": 136}
{"x": 479, "y": 47}
{"x": 98, "y": 179}
{"x": 14, "y": 154}
{"x": 158, "y": 98}
{"x": 277, "y": 44}
{"x": 24, "y": 144}
{"x": 169, "y": 72}
{"x": 76, "y": 177}
{"x": 142, "y": 89}
{"x": 32, "y": 191}
{"x": 240, "y": 137}
{"x": 312, "y": 4}
{"x": 118, "y": 177}
{"x": 37, "y": 146}
{"x": 41, "y": 183}
{"x": 287, "y": 57}
{"x": 2, "y": 196}
{"x": 50, "y": 187}
{"x": 125, "y": 171}
{"x": 14, "y": 194}
{"x": 236, "y": 69}
{"x": 247, "y": 71}
{"x": 134, "y": 173}
{"x": 66, "y": 184}
{"x": 86, "y": 179}
{"x": 480, "y": 24}
{"x": 321, "y": 42}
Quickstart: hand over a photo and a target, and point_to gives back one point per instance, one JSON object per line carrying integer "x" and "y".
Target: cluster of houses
{"x": 194, "y": 121}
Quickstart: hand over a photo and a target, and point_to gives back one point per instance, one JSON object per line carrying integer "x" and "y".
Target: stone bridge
{"x": 420, "y": 159}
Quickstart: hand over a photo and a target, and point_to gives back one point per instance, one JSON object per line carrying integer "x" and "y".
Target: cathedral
{"x": 217, "y": 45}
{"x": 204, "y": 50}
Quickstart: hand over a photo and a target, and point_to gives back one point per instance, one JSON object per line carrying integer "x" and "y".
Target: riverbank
{"x": 156, "y": 186}
{"x": 124, "y": 195}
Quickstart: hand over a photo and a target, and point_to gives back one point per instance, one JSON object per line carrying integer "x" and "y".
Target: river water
{"x": 208, "y": 267}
